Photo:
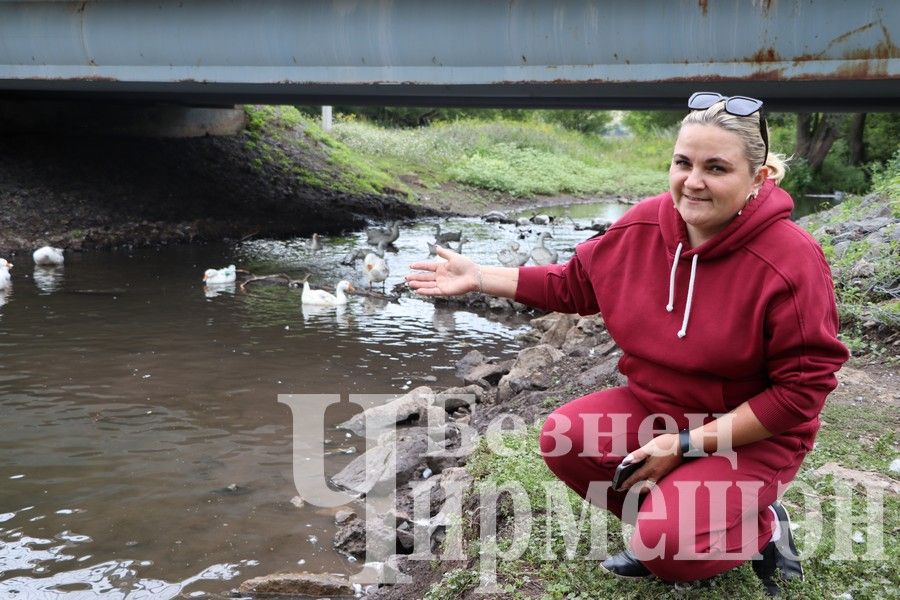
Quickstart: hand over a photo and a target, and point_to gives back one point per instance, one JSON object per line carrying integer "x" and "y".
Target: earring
{"x": 750, "y": 199}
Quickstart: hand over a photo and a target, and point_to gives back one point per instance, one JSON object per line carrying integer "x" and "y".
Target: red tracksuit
{"x": 758, "y": 326}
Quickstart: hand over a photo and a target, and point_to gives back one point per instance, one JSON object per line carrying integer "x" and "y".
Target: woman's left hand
{"x": 660, "y": 456}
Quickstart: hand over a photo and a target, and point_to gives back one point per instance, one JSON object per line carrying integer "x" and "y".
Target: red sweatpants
{"x": 701, "y": 519}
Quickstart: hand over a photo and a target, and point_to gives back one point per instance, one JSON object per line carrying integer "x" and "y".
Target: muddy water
{"x": 144, "y": 451}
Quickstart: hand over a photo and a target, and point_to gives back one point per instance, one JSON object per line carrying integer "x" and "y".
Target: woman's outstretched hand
{"x": 454, "y": 276}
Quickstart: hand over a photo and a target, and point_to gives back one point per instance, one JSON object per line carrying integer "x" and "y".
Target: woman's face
{"x": 710, "y": 179}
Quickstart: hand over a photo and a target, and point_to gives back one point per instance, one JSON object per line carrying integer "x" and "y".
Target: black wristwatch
{"x": 684, "y": 444}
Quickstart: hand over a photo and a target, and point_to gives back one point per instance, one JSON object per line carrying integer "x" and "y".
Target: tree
{"x": 856, "y": 139}
{"x": 816, "y": 133}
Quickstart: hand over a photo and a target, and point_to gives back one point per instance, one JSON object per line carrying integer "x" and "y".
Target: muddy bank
{"x": 81, "y": 193}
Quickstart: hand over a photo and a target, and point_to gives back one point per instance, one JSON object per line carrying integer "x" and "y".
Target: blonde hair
{"x": 746, "y": 128}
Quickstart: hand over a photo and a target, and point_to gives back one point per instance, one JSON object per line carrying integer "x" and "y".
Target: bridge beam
{"x": 796, "y": 54}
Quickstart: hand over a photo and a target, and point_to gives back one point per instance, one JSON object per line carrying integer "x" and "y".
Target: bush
{"x": 644, "y": 121}
{"x": 886, "y": 180}
{"x": 585, "y": 121}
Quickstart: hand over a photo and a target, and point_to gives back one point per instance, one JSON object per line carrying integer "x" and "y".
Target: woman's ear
{"x": 760, "y": 178}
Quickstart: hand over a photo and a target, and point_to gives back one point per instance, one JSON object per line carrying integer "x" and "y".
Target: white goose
{"x": 217, "y": 276}
{"x": 375, "y": 269}
{"x": 5, "y": 279}
{"x": 541, "y": 255}
{"x": 47, "y": 256}
{"x": 323, "y": 298}
{"x": 511, "y": 257}
{"x": 316, "y": 244}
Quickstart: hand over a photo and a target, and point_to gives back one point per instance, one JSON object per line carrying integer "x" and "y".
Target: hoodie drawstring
{"x": 690, "y": 294}
{"x": 670, "y": 307}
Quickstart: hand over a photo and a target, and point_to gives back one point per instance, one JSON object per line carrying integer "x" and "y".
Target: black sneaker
{"x": 779, "y": 561}
{"x": 626, "y": 565}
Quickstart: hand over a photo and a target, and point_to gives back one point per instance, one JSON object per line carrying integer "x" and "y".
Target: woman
{"x": 725, "y": 313}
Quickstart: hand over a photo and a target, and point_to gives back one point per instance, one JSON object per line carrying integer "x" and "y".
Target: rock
{"x": 546, "y": 322}
{"x": 457, "y": 397}
{"x": 599, "y": 376}
{"x": 298, "y": 502}
{"x": 385, "y": 462}
{"x": 488, "y": 375}
{"x": 862, "y": 268}
{"x": 387, "y": 415}
{"x": 343, "y": 516}
{"x": 556, "y": 334}
{"x": 894, "y": 466}
{"x": 468, "y": 362}
{"x": 858, "y": 537}
{"x": 530, "y": 371}
{"x": 495, "y": 303}
{"x": 448, "y": 452}
{"x": 350, "y": 538}
{"x": 496, "y": 216}
{"x": 866, "y": 479}
{"x": 298, "y": 584}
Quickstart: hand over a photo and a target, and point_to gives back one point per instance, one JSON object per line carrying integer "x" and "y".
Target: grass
{"x": 276, "y": 133}
{"x": 521, "y": 158}
{"x": 854, "y": 436}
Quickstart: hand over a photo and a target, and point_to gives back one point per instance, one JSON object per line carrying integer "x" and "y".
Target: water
{"x": 145, "y": 454}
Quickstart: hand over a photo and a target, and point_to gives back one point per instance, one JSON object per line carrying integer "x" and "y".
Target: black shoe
{"x": 625, "y": 564}
{"x": 779, "y": 562}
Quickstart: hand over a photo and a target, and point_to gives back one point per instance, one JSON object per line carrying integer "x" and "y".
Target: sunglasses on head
{"x": 739, "y": 106}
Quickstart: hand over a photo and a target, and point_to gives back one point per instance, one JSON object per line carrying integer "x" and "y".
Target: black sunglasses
{"x": 739, "y": 106}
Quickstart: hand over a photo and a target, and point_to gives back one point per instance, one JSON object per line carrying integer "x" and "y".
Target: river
{"x": 145, "y": 453}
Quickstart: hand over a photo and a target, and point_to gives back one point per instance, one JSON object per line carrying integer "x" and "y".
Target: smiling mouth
{"x": 694, "y": 198}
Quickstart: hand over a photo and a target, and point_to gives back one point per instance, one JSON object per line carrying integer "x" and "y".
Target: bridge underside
{"x": 835, "y": 55}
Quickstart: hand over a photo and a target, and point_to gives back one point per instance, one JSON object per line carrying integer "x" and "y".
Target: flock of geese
{"x": 44, "y": 257}
{"x": 375, "y": 269}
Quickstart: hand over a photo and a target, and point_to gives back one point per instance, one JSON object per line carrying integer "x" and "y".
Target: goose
{"x": 511, "y": 257}
{"x": 542, "y": 255}
{"x": 216, "y": 276}
{"x": 316, "y": 244}
{"x": 48, "y": 256}
{"x": 323, "y": 298}
{"x": 5, "y": 279}
{"x": 375, "y": 269}
{"x": 443, "y": 238}
{"x": 389, "y": 235}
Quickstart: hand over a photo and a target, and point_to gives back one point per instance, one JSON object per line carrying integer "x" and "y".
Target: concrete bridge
{"x": 836, "y": 55}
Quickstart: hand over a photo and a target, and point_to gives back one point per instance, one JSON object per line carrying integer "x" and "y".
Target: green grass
{"x": 274, "y": 130}
{"x": 521, "y": 158}
{"x": 858, "y": 437}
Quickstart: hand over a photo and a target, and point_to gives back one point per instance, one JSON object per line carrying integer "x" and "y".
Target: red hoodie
{"x": 761, "y": 320}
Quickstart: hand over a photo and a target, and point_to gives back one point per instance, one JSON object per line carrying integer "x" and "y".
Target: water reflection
{"x": 48, "y": 279}
{"x": 317, "y": 314}
{"x": 211, "y": 290}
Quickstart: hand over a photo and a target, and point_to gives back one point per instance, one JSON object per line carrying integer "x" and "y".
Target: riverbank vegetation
{"x": 581, "y": 152}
